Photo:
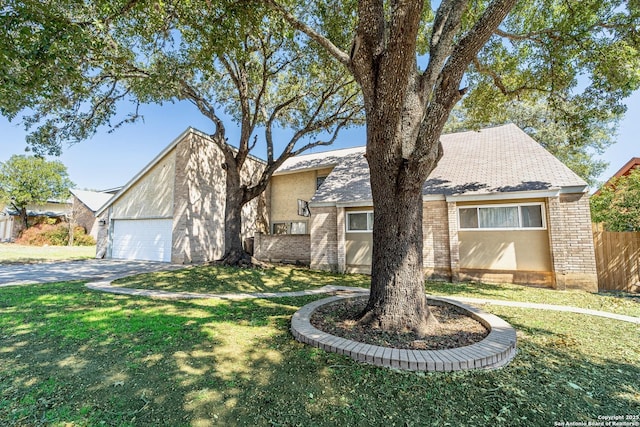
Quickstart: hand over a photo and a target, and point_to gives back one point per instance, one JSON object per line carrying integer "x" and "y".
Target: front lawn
{"x": 14, "y": 253}
{"x": 70, "y": 356}
{"x": 219, "y": 280}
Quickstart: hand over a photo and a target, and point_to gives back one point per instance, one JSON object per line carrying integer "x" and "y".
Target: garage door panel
{"x": 143, "y": 239}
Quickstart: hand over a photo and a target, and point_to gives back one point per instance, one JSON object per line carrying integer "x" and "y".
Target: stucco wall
{"x": 523, "y": 250}
{"x": 287, "y": 189}
{"x": 152, "y": 195}
{"x": 359, "y": 251}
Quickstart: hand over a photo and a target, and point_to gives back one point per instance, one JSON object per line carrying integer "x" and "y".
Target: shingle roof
{"x": 317, "y": 160}
{"x": 501, "y": 159}
{"x": 93, "y": 199}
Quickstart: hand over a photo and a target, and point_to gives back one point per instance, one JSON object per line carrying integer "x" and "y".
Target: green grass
{"x": 217, "y": 279}
{"x": 70, "y": 356}
{"x": 14, "y": 253}
{"x": 621, "y": 303}
{"x": 214, "y": 279}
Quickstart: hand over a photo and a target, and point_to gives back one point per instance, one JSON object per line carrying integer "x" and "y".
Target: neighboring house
{"x": 85, "y": 205}
{"x": 624, "y": 171}
{"x": 11, "y": 225}
{"x": 173, "y": 210}
{"x": 498, "y": 208}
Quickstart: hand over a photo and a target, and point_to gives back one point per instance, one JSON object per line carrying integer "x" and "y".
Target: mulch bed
{"x": 456, "y": 329}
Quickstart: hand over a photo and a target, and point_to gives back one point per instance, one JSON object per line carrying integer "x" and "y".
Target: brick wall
{"x": 102, "y": 235}
{"x": 571, "y": 240}
{"x": 84, "y": 217}
{"x": 436, "y": 251}
{"x": 289, "y": 248}
{"x": 454, "y": 248}
{"x": 199, "y": 201}
{"x": 324, "y": 239}
{"x": 198, "y": 209}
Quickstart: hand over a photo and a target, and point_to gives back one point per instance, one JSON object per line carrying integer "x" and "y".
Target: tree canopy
{"x": 72, "y": 63}
{"x": 617, "y": 204}
{"x": 72, "y": 68}
{"x": 32, "y": 180}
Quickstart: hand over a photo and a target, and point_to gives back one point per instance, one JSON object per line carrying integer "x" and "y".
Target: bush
{"x": 81, "y": 238}
{"x": 54, "y": 235}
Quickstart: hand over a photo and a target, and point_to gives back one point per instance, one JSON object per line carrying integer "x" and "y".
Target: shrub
{"x": 54, "y": 235}
{"x": 81, "y": 238}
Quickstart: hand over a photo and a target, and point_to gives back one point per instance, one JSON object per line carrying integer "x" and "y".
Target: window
{"x": 289, "y": 227}
{"x": 319, "y": 181}
{"x": 502, "y": 217}
{"x": 359, "y": 221}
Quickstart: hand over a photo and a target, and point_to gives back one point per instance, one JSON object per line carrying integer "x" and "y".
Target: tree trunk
{"x": 24, "y": 217}
{"x": 397, "y": 301}
{"x": 234, "y": 253}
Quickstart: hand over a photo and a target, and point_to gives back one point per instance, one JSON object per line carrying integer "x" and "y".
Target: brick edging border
{"x": 495, "y": 351}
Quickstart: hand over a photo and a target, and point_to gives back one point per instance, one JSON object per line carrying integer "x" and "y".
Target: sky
{"x": 110, "y": 160}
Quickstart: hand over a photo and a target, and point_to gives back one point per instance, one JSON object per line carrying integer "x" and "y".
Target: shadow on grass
{"x": 70, "y": 355}
{"x": 220, "y": 279}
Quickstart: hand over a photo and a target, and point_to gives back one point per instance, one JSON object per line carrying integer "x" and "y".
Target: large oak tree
{"x": 414, "y": 64}
{"x": 72, "y": 67}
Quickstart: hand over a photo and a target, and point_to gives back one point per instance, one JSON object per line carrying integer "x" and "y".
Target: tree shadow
{"x": 71, "y": 355}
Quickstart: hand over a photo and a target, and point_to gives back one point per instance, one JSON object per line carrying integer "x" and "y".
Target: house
{"x": 11, "y": 224}
{"x": 498, "y": 208}
{"x": 623, "y": 171}
{"x": 84, "y": 206}
{"x": 173, "y": 209}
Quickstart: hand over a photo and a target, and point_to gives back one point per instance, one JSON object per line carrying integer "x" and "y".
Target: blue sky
{"x": 111, "y": 159}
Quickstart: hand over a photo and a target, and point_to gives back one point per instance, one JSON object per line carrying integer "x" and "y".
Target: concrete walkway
{"x": 65, "y": 271}
{"x": 105, "y": 286}
{"x": 552, "y": 307}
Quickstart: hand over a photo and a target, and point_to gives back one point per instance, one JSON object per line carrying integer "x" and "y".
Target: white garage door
{"x": 146, "y": 239}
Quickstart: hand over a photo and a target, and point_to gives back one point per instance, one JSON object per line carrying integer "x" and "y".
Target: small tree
{"x": 32, "y": 180}
{"x": 617, "y": 205}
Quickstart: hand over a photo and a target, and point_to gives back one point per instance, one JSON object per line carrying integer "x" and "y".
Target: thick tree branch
{"x": 447, "y": 92}
{"x": 445, "y": 27}
{"x": 313, "y": 34}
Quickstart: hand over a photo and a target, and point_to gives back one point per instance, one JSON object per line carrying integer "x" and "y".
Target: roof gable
{"x": 94, "y": 200}
{"x": 502, "y": 159}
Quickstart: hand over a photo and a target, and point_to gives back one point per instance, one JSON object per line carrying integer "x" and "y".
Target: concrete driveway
{"x": 94, "y": 269}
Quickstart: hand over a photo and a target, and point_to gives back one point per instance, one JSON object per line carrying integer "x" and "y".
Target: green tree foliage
{"x": 73, "y": 67}
{"x": 617, "y": 205}
{"x": 31, "y": 180}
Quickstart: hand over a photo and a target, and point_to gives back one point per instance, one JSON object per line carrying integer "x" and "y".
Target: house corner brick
{"x": 571, "y": 238}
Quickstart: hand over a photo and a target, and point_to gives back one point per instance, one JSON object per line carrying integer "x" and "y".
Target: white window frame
{"x": 289, "y": 227}
{"x": 505, "y": 205}
{"x": 369, "y": 221}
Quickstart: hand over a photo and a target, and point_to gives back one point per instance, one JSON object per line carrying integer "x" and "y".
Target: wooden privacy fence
{"x": 617, "y": 260}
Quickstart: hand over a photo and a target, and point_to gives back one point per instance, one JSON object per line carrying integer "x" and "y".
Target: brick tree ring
{"x": 494, "y": 351}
